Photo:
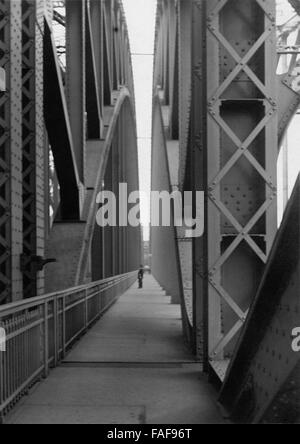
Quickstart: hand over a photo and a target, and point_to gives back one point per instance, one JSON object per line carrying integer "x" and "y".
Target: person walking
{"x": 141, "y": 276}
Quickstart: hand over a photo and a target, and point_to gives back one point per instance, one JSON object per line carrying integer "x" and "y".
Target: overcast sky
{"x": 140, "y": 15}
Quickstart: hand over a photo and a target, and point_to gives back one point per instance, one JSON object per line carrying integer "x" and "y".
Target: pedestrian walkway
{"x": 131, "y": 368}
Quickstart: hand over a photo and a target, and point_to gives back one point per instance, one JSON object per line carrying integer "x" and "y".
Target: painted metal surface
{"x": 57, "y": 120}
{"x": 59, "y": 123}
{"x": 197, "y": 170}
{"x": 168, "y": 148}
{"x": 33, "y": 145}
{"x": 112, "y": 117}
{"x": 262, "y": 384}
{"x": 165, "y": 259}
{"x": 234, "y": 68}
{"x": 241, "y": 161}
{"x": 228, "y": 122}
{"x": 10, "y": 153}
{"x": 76, "y": 79}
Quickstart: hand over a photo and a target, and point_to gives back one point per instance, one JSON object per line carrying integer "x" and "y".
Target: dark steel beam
{"x": 107, "y": 53}
{"x": 92, "y": 85}
{"x": 76, "y": 78}
{"x": 262, "y": 384}
{"x": 33, "y": 146}
{"x": 11, "y": 231}
{"x": 96, "y": 9}
{"x": 36, "y": 120}
{"x": 59, "y": 131}
{"x": 241, "y": 163}
{"x": 197, "y": 171}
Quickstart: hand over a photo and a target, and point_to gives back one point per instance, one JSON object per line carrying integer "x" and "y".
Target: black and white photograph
{"x": 149, "y": 215}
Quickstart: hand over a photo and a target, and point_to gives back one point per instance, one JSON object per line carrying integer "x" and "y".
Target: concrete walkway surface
{"x": 131, "y": 368}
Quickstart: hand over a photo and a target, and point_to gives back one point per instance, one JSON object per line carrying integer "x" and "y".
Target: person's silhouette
{"x": 141, "y": 276}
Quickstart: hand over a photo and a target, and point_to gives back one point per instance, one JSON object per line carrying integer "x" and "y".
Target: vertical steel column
{"x": 285, "y": 144}
{"x": 131, "y": 174}
{"x": 97, "y": 254}
{"x": 241, "y": 161}
{"x": 196, "y": 166}
{"x": 33, "y": 144}
{"x": 93, "y": 108}
{"x": 115, "y": 189}
{"x": 185, "y": 11}
{"x": 158, "y": 53}
{"x": 124, "y": 179}
{"x": 108, "y": 231}
{"x": 10, "y": 153}
{"x": 173, "y": 70}
{"x": 96, "y": 7}
{"x": 116, "y": 48}
{"x": 108, "y": 51}
{"x": 121, "y": 180}
{"x": 75, "y": 77}
{"x": 122, "y": 51}
{"x": 166, "y": 37}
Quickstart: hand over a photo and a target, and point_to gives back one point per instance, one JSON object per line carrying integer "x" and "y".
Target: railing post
{"x": 86, "y": 313}
{"x": 55, "y": 331}
{"x": 63, "y": 320}
{"x": 46, "y": 340}
{"x": 99, "y": 299}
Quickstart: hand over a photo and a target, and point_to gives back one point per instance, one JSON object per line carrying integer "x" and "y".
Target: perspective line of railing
{"x": 39, "y": 332}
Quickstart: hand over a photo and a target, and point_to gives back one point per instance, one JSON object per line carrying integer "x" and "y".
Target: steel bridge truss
{"x": 11, "y": 151}
{"x": 59, "y": 122}
{"x": 242, "y": 160}
{"x": 222, "y": 120}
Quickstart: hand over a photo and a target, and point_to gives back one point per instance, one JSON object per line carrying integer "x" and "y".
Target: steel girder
{"x": 121, "y": 245}
{"x": 11, "y": 152}
{"x": 120, "y": 142}
{"x": 108, "y": 50}
{"x": 165, "y": 254}
{"x": 197, "y": 169}
{"x": 58, "y": 122}
{"x": 99, "y": 67}
{"x": 93, "y": 68}
{"x": 33, "y": 145}
{"x": 263, "y": 382}
{"x": 76, "y": 36}
{"x": 230, "y": 115}
{"x": 170, "y": 141}
{"x": 241, "y": 162}
{"x": 39, "y": 114}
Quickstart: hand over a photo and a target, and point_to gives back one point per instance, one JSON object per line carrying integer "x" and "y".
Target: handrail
{"x": 28, "y": 303}
{"x": 39, "y": 332}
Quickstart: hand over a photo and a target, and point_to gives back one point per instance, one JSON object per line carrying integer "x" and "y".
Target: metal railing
{"x": 41, "y": 330}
